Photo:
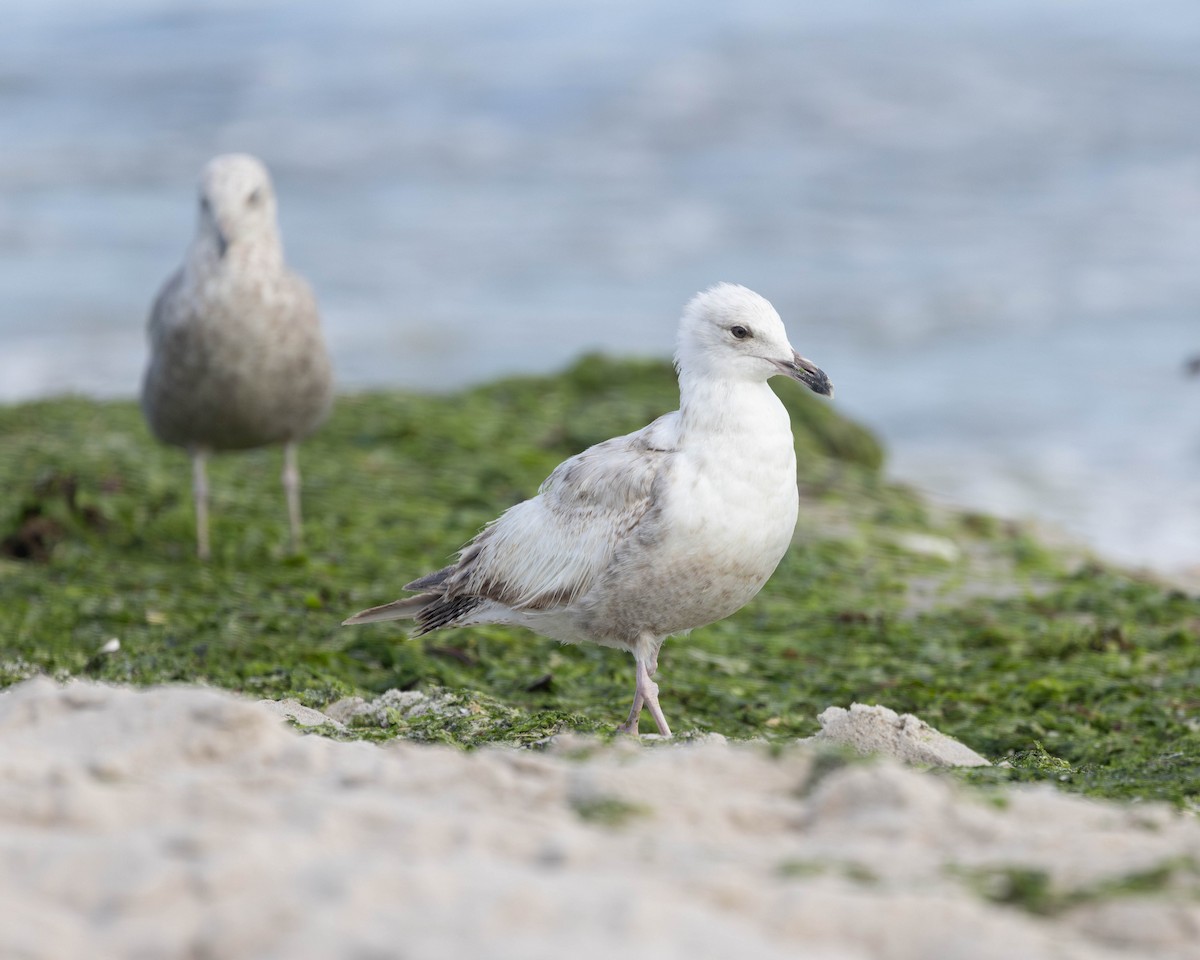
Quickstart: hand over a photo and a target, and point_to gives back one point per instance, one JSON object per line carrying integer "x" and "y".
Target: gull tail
{"x": 431, "y": 611}
{"x": 405, "y": 609}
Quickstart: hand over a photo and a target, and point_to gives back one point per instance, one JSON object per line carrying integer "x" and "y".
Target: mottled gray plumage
{"x": 237, "y": 359}
{"x": 654, "y": 533}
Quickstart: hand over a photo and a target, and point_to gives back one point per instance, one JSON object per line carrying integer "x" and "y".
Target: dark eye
{"x": 739, "y": 332}
{"x": 255, "y": 198}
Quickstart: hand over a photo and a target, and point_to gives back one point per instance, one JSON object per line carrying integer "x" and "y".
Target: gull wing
{"x": 163, "y": 314}
{"x": 548, "y": 551}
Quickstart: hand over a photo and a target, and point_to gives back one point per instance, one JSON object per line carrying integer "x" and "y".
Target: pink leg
{"x": 645, "y": 693}
{"x": 651, "y": 695}
{"x": 635, "y": 712}
{"x": 200, "y": 495}
{"x": 291, "y": 490}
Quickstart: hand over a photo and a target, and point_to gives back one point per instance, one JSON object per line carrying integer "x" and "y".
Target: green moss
{"x": 1085, "y": 678}
{"x": 792, "y": 869}
{"x": 829, "y": 759}
{"x": 1028, "y": 888}
{"x": 802, "y": 869}
{"x": 1035, "y": 891}
{"x": 860, "y": 873}
{"x": 607, "y": 811}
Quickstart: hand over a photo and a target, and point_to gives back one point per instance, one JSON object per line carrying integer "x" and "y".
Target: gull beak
{"x": 807, "y": 373}
{"x": 208, "y": 218}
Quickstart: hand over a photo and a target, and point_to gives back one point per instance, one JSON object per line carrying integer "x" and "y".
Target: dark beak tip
{"x": 817, "y": 381}
{"x": 808, "y": 373}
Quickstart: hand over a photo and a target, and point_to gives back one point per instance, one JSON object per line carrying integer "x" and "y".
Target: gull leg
{"x": 635, "y": 712}
{"x": 651, "y": 695}
{"x": 200, "y": 496}
{"x": 291, "y": 489}
{"x": 645, "y": 693}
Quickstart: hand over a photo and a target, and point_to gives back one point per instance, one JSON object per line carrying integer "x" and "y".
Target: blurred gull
{"x": 654, "y": 533}
{"x": 236, "y": 354}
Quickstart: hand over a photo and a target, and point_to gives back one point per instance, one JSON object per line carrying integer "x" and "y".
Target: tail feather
{"x": 404, "y": 609}
{"x": 431, "y": 611}
{"x": 444, "y": 612}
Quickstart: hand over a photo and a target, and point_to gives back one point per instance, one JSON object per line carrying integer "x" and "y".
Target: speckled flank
{"x": 237, "y": 358}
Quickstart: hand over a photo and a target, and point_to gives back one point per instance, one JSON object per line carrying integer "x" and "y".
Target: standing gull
{"x": 656, "y": 532}
{"x": 236, "y": 354}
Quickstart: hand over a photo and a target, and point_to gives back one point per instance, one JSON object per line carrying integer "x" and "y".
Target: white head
{"x": 237, "y": 205}
{"x": 731, "y": 332}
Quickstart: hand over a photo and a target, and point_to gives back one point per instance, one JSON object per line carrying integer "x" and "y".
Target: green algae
{"x": 1084, "y": 676}
{"x": 607, "y": 810}
{"x": 1035, "y": 891}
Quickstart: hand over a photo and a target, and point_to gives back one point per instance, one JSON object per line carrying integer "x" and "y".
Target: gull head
{"x": 237, "y": 203}
{"x": 731, "y": 332}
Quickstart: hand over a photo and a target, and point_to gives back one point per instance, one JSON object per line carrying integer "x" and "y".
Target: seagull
{"x": 654, "y": 533}
{"x": 237, "y": 359}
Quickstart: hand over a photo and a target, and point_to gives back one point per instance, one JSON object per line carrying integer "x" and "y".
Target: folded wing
{"x": 548, "y": 551}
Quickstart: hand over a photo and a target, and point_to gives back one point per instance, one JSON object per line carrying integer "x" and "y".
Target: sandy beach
{"x": 188, "y": 822}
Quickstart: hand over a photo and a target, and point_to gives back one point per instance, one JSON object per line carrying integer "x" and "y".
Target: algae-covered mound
{"x": 1078, "y": 674}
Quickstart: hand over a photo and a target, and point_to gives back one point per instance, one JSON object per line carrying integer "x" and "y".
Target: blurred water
{"x": 982, "y": 219}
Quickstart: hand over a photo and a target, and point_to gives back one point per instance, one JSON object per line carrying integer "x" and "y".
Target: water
{"x": 983, "y": 220}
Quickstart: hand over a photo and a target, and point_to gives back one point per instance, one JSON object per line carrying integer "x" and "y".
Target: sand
{"x": 187, "y": 822}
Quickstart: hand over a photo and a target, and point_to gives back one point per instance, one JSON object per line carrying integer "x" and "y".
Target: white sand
{"x": 184, "y": 822}
{"x": 878, "y": 730}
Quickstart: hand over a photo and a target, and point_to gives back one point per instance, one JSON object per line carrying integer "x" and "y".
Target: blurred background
{"x": 983, "y": 219}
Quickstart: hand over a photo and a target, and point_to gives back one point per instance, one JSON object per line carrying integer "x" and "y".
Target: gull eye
{"x": 255, "y": 197}
{"x": 739, "y": 332}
